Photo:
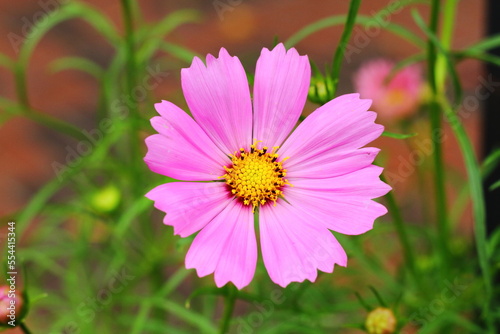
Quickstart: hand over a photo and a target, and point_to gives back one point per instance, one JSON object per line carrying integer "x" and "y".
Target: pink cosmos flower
{"x": 393, "y": 99}
{"x": 301, "y": 185}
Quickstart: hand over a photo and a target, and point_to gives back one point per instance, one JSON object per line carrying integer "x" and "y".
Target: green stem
{"x": 344, "y": 39}
{"x": 436, "y": 135}
{"x": 439, "y": 180}
{"x": 21, "y": 90}
{"x": 129, "y": 42}
{"x": 131, "y": 80}
{"x": 55, "y": 124}
{"x": 25, "y": 329}
{"x": 232, "y": 294}
{"x": 476, "y": 190}
{"x": 402, "y": 235}
{"x": 449, "y": 17}
{"x": 44, "y": 119}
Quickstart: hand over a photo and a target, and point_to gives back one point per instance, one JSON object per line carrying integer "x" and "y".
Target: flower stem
{"x": 402, "y": 235}
{"x": 55, "y": 124}
{"x": 131, "y": 81}
{"x": 449, "y": 16}
{"x": 229, "y": 301}
{"x": 436, "y": 135}
{"x": 344, "y": 39}
{"x": 21, "y": 90}
{"x": 25, "y": 329}
{"x": 476, "y": 190}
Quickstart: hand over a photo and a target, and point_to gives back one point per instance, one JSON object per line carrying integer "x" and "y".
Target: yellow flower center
{"x": 256, "y": 176}
{"x": 396, "y": 96}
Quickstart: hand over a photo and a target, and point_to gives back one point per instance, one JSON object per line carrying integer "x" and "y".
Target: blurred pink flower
{"x": 247, "y": 147}
{"x": 393, "y": 99}
{"x": 11, "y": 305}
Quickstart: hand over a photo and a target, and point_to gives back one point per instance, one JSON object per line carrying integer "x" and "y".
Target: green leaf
{"x": 495, "y": 185}
{"x": 179, "y": 52}
{"x": 77, "y": 63}
{"x": 363, "y": 303}
{"x": 486, "y": 57}
{"x": 476, "y": 188}
{"x": 6, "y": 62}
{"x": 55, "y": 124}
{"x": 399, "y": 135}
{"x": 191, "y": 317}
{"x": 490, "y": 162}
{"x": 173, "y": 282}
{"x": 68, "y": 11}
{"x": 10, "y": 107}
{"x": 209, "y": 290}
{"x": 485, "y": 44}
{"x": 140, "y": 205}
{"x": 378, "y": 296}
{"x": 174, "y": 20}
{"x": 363, "y": 20}
{"x": 142, "y": 317}
{"x": 494, "y": 242}
{"x": 152, "y": 39}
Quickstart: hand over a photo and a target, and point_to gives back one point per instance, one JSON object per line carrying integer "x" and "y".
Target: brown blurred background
{"x": 27, "y": 150}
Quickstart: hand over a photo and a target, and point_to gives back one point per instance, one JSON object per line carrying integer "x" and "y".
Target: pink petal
{"x": 342, "y": 204}
{"x": 363, "y": 182}
{"x": 190, "y": 205}
{"x": 182, "y": 150}
{"x": 219, "y": 99}
{"x": 334, "y": 129}
{"x": 226, "y": 246}
{"x": 294, "y": 246}
{"x": 280, "y": 91}
{"x": 333, "y": 163}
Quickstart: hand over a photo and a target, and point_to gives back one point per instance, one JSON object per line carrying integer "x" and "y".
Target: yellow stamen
{"x": 256, "y": 177}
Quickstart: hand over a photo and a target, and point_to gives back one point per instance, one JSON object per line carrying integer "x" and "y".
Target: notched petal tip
{"x": 210, "y": 59}
{"x": 280, "y": 50}
{"x": 280, "y": 47}
{"x": 196, "y": 63}
{"x": 223, "y": 53}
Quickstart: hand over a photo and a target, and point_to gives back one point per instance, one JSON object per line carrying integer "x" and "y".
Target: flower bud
{"x": 380, "y": 321}
{"x": 320, "y": 90}
{"x": 105, "y": 199}
{"x": 11, "y": 305}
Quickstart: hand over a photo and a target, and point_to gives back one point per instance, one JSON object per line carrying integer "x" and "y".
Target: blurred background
{"x": 242, "y": 27}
